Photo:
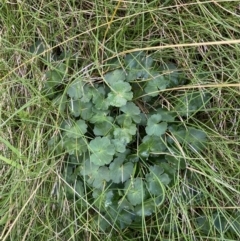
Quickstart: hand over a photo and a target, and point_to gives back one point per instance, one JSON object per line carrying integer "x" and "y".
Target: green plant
{"x": 122, "y": 148}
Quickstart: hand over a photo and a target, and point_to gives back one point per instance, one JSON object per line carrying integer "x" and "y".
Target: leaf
{"x": 102, "y": 104}
{"x": 134, "y": 74}
{"x": 75, "y": 190}
{"x": 102, "y": 124}
{"x": 54, "y": 79}
{"x": 69, "y": 175}
{"x": 154, "y": 127}
{"x": 135, "y": 191}
{"x": 147, "y": 62}
{"x": 151, "y": 144}
{"x": 133, "y": 158}
{"x": 99, "y": 99}
{"x": 203, "y": 224}
{"x": 120, "y": 94}
{"x": 193, "y": 138}
{"x": 79, "y": 108}
{"x": 144, "y": 150}
{"x": 124, "y": 204}
{"x": 101, "y": 178}
{"x": 125, "y": 133}
{"x": 77, "y": 130}
{"x": 145, "y": 209}
{"x": 124, "y": 120}
{"x": 100, "y": 116}
{"x": 61, "y": 102}
{"x": 114, "y": 76}
{"x": 180, "y": 163}
{"x": 95, "y": 175}
{"x": 79, "y": 89}
{"x": 131, "y": 111}
{"x": 166, "y": 115}
{"x": 156, "y": 179}
{"x": 120, "y": 146}
{"x": 191, "y": 102}
{"x": 55, "y": 144}
{"x": 74, "y": 146}
{"x": 102, "y": 151}
{"x": 235, "y": 227}
{"x": 172, "y": 74}
{"x": 169, "y": 169}
{"x": 133, "y": 60}
{"x": 113, "y": 64}
{"x": 103, "y": 199}
{"x": 88, "y": 93}
{"x": 156, "y": 82}
{"x": 37, "y": 48}
{"x": 102, "y": 129}
{"x": 75, "y": 89}
{"x": 99, "y": 223}
{"x": 89, "y": 169}
{"x": 138, "y": 65}
{"x": 122, "y": 218}
{"x": 119, "y": 171}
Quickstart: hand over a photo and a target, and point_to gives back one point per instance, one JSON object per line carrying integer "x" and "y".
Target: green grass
{"x": 199, "y": 37}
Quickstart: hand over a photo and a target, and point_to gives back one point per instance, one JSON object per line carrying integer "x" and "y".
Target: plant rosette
{"x": 122, "y": 147}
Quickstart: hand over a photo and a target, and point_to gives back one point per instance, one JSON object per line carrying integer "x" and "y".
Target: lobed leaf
{"x": 115, "y": 76}
{"x": 99, "y": 99}
{"x": 79, "y": 108}
{"x": 75, "y": 89}
{"x": 95, "y": 175}
{"x": 102, "y": 151}
{"x": 120, "y": 145}
{"x": 131, "y": 111}
{"x": 119, "y": 171}
{"x": 74, "y": 146}
{"x": 135, "y": 191}
{"x": 125, "y": 133}
{"x": 102, "y": 128}
{"x": 156, "y": 82}
{"x": 193, "y": 138}
{"x": 156, "y": 180}
{"x": 120, "y": 94}
{"x": 77, "y": 130}
{"x": 191, "y": 102}
{"x": 102, "y": 199}
{"x": 145, "y": 209}
{"x": 154, "y": 127}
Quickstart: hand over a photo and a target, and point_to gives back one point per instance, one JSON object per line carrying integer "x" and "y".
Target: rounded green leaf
{"x": 79, "y": 108}
{"x": 102, "y": 151}
{"x": 120, "y": 146}
{"x": 74, "y": 146}
{"x": 115, "y": 76}
{"x": 120, "y": 172}
{"x": 77, "y": 130}
{"x": 94, "y": 175}
{"x": 155, "y": 82}
{"x": 125, "y": 133}
{"x": 102, "y": 128}
{"x": 120, "y": 94}
{"x": 75, "y": 89}
{"x": 155, "y": 144}
{"x": 156, "y": 180}
{"x": 135, "y": 191}
{"x": 154, "y": 127}
{"x": 145, "y": 209}
{"x": 131, "y": 111}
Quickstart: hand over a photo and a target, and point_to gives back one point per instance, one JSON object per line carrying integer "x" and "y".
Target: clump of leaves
{"x": 117, "y": 126}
